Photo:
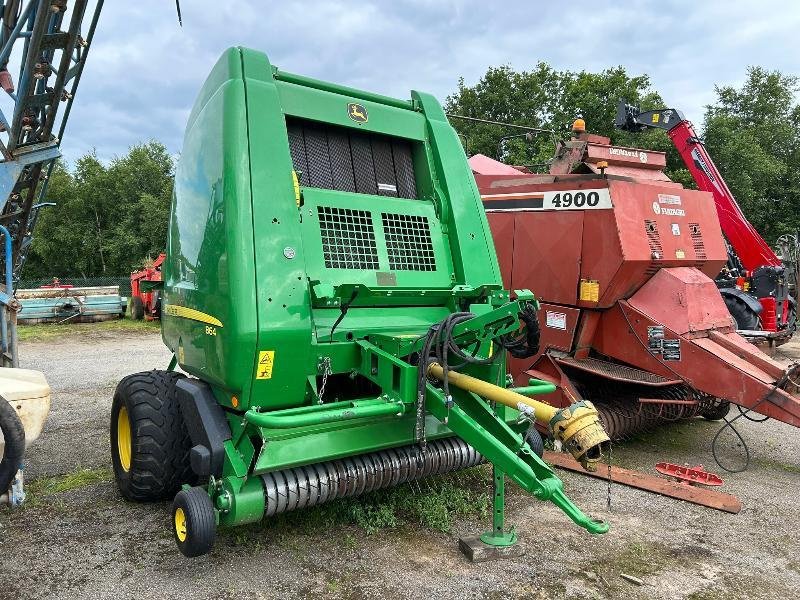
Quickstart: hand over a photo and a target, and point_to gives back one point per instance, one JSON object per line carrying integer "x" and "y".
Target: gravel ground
{"x": 88, "y": 543}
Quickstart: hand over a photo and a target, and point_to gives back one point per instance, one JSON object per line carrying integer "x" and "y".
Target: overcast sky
{"x": 144, "y": 71}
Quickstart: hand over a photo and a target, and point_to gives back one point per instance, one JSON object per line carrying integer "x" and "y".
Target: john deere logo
{"x": 357, "y": 112}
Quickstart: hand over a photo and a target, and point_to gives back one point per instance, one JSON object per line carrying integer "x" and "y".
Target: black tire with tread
{"x": 717, "y": 412}
{"x": 14, "y": 444}
{"x": 137, "y": 308}
{"x": 201, "y": 522}
{"x": 160, "y": 443}
{"x": 744, "y": 316}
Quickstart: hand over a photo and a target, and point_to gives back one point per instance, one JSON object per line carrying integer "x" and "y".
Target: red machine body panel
{"x": 623, "y": 268}
{"x": 613, "y": 247}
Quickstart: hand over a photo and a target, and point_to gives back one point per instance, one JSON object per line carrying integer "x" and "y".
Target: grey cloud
{"x": 144, "y": 71}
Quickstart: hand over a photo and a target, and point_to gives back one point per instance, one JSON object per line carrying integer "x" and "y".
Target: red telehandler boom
{"x": 754, "y": 280}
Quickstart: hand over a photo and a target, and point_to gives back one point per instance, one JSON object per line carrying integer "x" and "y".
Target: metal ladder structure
{"x": 51, "y": 40}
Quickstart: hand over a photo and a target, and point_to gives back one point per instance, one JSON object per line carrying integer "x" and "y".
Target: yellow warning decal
{"x": 191, "y": 313}
{"x": 680, "y": 254}
{"x": 266, "y": 358}
{"x": 590, "y": 290}
{"x": 656, "y": 117}
{"x": 296, "y": 184}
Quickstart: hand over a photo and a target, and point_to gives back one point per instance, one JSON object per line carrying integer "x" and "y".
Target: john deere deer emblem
{"x": 357, "y": 112}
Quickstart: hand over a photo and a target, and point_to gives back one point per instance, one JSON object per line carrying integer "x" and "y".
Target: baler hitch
{"x": 577, "y": 426}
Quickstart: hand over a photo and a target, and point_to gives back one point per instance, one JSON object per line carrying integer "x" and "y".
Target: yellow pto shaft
{"x": 577, "y": 426}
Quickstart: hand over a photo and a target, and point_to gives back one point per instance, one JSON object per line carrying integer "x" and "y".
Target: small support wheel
{"x": 535, "y": 441}
{"x": 194, "y": 522}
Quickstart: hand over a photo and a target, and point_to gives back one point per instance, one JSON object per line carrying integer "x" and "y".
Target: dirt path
{"x": 85, "y": 542}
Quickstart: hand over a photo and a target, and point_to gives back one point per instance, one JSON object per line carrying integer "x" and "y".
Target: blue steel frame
{"x": 53, "y": 56}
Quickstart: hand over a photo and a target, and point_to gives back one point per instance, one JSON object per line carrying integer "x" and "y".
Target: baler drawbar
{"x": 331, "y": 290}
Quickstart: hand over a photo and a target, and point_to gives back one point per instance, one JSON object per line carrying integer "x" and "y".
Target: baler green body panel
{"x": 242, "y": 252}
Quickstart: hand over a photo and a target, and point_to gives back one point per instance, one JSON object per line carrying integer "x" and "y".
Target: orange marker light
{"x": 234, "y": 401}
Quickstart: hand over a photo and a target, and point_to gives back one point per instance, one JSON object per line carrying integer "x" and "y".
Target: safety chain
{"x": 325, "y": 367}
{"x": 608, "y": 499}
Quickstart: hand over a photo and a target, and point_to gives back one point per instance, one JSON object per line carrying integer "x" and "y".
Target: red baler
{"x": 623, "y": 261}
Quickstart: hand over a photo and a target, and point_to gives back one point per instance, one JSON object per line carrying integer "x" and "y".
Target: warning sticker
{"x": 556, "y": 320}
{"x": 655, "y": 337}
{"x": 266, "y": 359}
{"x": 669, "y": 199}
{"x": 590, "y": 290}
{"x": 671, "y": 349}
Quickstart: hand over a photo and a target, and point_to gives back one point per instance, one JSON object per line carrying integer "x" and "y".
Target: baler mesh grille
{"x": 348, "y": 238}
{"x": 408, "y": 242}
{"x": 337, "y": 158}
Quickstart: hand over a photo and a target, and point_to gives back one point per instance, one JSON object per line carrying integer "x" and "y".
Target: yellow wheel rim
{"x": 124, "y": 439}
{"x": 180, "y": 524}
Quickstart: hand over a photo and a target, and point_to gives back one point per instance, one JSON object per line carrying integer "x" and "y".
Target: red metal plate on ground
{"x": 643, "y": 481}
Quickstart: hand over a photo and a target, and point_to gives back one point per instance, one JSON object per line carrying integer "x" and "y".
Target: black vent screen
{"x": 348, "y": 238}
{"x": 336, "y": 158}
{"x": 408, "y": 242}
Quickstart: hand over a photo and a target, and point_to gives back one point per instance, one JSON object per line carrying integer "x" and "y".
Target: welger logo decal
{"x": 628, "y": 153}
{"x": 357, "y": 112}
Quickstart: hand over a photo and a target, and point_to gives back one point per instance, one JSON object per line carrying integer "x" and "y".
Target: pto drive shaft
{"x": 577, "y": 426}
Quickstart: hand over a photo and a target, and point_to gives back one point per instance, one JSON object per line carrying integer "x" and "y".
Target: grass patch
{"x": 49, "y": 331}
{"x": 637, "y": 558}
{"x": 39, "y": 489}
{"x": 432, "y": 504}
{"x": 777, "y": 465}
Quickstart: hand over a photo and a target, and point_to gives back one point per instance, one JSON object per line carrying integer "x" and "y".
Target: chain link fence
{"x": 124, "y": 282}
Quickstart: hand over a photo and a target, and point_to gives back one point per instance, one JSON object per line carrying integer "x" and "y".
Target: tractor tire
{"x": 535, "y": 441}
{"x": 137, "y": 308}
{"x": 194, "y": 522}
{"x": 14, "y": 444}
{"x": 149, "y": 442}
{"x": 717, "y": 412}
{"x": 743, "y": 315}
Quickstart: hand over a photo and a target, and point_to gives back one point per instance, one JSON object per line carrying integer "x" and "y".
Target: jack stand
{"x": 497, "y": 543}
{"x": 15, "y": 495}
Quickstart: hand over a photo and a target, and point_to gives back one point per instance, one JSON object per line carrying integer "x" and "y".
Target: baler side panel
{"x": 474, "y": 258}
{"x": 209, "y": 270}
{"x": 279, "y": 287}
{"x": 502, "y": 226}
{"x": 547, "y": 253}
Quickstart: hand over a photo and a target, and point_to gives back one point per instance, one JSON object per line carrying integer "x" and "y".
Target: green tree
{"x": 751, "y": 134}
{"x": 107, "y": 218}
{"x": 548, "y": 99}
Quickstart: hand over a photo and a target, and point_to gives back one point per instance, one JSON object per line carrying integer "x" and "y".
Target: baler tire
{"x": 14, "y": 444}
{"x": 194, "y": 522}
{"x": 137, "y": 308}
{"x": 717, "y": 412}
{"x": 744, "y": 316}
{"x": 535, "y": 441}
{"x": 158, "y": 442}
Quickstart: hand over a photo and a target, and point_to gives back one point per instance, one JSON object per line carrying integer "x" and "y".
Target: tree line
{"x": 110, "y": 218}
